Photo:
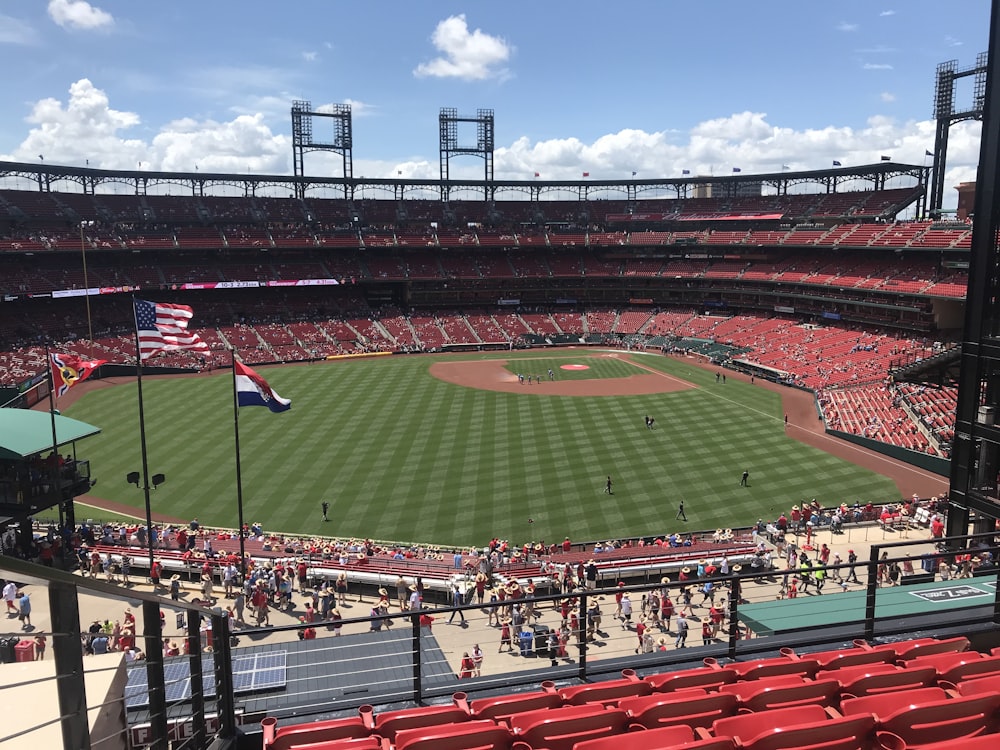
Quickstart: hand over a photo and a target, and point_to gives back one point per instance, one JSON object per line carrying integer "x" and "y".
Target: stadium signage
{"x": 178, "y": 729}
{"x": 513, "y": 302}
{"x": 304, "y": 282}
{"x": 949, "y": 593}
{"x": 93, "y": 291}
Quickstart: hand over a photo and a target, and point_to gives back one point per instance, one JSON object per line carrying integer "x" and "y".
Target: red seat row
{"x": 909, "y": 695}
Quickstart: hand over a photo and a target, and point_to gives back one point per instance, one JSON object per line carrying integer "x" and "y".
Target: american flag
{"x": 163, "y": 327}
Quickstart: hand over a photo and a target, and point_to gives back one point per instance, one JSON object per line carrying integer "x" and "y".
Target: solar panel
{"x": 251, "y": 672}
{"x": 269, "y": 670}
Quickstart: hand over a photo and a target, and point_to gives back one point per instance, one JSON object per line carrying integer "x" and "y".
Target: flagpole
{"x": 55, "y": 439}
{"x": 239, "y": 474}
{"x": 142, "y": 441}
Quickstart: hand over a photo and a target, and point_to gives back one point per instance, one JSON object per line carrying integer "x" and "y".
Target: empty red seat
{"x": 979, "y": 686}
{"x": 982, "y": 742}
{"x": 700, "y": 677}
{"x": 781, "y": 665}
{"x": 906, "y": 652}
{"x": 604, "y": 692}
{"x": 690, "y": 707}
{"x": 885, "y": 704}
{"x": 315, "y": 733}
{"x": 858, "y": 684}
{"x": 364, "y": 743}
{"x": 747, "y": 726}
{"x": 844, "y": 733}
{"x": 944, "y": 720}
{"x": 562, "y": 728}
{"x": 666, "y": 738}
{"x": 959, "y": 666}
{"x": 505, "y": 705}
{"x": 848, "y": 657}
{"x": 387, "y": 724}
{"x": 765, "y": 695}
{"x": 470, "y": 735}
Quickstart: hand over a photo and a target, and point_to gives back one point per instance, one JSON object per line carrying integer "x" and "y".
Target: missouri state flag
{"x": 69, "y": 369}
{"x": 253, "y": 390}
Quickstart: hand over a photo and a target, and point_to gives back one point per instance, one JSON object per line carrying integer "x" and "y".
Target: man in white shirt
{"x": 10, "y": 595}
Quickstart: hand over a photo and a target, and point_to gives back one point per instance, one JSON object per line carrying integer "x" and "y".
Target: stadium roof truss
{"x": 47, "y": 177}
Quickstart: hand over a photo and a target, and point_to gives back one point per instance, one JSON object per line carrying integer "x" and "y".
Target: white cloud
{"x": 876, "y": 66}
{"x": 887, "y": 96}
{"x": 360, "y": 109}
{"x": 236, "y": 146}
{"x": 79, "y": 14}
{"x": 886, "y": 13}
{"x": 15, "y": 31}
{"x": 846, "y": 27}
{"x": 471, "y": 56}
{"x": 310, "y": 56}
{"x": 951, "y": 41}
{"x": 86, "y": 127}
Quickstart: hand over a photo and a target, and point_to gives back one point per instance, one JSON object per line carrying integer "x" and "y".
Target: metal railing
{"x": 581, "y": 654}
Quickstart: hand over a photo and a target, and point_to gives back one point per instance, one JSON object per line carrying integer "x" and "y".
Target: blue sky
{"x": 654, "y": 87}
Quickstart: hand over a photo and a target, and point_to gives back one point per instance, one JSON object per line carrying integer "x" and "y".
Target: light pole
{"x": 133, "y": 478}
{"x": 86, "y": 284}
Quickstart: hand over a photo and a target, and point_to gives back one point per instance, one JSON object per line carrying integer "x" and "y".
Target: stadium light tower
{"x": 449, "y": 144}
{"x": 945, "y": 114}
{"x": 303, "y": 141}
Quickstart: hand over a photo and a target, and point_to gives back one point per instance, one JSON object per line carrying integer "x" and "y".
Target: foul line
{"x": 823, "y": 436}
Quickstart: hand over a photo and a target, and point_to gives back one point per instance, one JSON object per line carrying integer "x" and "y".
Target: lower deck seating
{"x": 893, "y": 703}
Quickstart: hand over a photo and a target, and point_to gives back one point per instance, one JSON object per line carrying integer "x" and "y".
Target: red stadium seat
{"x": 884, "y": 704}
{"x": 872, "y": 683}
{"x": 505, "y": 705}
{"x": 700, "y": 677}
{"x": 746, "y": 726}
{"x": 847, "y": 657}
{"x": 472, "y": 735}
{"x": 959, "y": 666}
{"x": 562, "y": 728}
{"x": 690, "y": 707}
{"x": 765, "y": 695}
{"x": 920, "y": 723}
{"x": 776, "y": 667}
{"x": 315, "y": 733}
{"x": 666, "y": 738}
{"x": 854, "y": 733}
{"x": 979, "y": 686}
{"x": 364, "y": 743}
{"x": 604, "y": 692}
{"x": 943, "y": 646}
{"x": 387, "y": 724}
{"x": 982, "y": 742}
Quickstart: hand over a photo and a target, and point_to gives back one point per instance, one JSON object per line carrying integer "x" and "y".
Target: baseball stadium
{"x": 700, "y": 456}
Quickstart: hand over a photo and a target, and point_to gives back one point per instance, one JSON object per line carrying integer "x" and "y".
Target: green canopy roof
{"x": 24, "y": 433}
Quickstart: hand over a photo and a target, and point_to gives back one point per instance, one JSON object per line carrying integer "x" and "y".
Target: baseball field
{"x": 456, "y": 449}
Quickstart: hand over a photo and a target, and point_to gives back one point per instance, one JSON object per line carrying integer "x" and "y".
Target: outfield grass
{"x": 401, "y": 455}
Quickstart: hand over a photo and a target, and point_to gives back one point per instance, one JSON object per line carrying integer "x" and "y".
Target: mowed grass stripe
{"x": 401, "y": 455}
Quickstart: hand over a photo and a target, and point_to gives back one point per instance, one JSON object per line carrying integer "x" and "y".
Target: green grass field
{"x": 401, "y": 455}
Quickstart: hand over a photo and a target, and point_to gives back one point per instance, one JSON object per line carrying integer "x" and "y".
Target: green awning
{"x": 24, "y": 433}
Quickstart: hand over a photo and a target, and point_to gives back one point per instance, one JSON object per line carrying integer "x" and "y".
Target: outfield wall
{"x": 940, "y": 466}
